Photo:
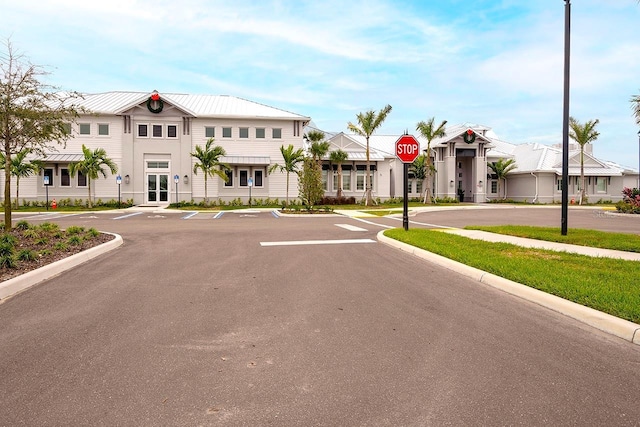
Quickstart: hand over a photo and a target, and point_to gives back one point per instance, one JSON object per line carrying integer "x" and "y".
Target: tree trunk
{"x": 582, "y": 189}
{"x": 89, "y": 186}
{"x": 339, "y": 180}
{"x": 17, "y": 191}
{"x": 287, "y": 193}
{"x": 367, "y": 180}
{"x": 206, "y": 196}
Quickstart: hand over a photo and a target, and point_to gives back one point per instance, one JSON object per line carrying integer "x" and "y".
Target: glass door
{"x": 157, "y": 188}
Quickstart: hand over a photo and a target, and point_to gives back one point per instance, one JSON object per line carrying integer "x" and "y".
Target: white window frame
{"x": 167, "y": 131}
{"x": 68, "y": 175}
{"x": 138, "y": 130}
{"x": 604, "y": 180}
{"x": 261, "y": 133}
{"x": 255, "y": 172}
{"x": 247, "y": 175}
{"x": 276, "y": 133}
{"x": 81, "y": 125}
{"x": 86, "y": 181}
{"x": 100, "y": 126}
{"x": 230, "y": 132}
{"x": 346, "y": 179}
{"x": 153, "y": 128}
{"x": 229, "y": 182}
{"x": 243, "y": 133}
{"x": 213, "y": 131}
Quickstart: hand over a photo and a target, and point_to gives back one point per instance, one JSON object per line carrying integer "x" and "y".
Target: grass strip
{"x": 609, "y": 285}
{"x": 575, "y": 236}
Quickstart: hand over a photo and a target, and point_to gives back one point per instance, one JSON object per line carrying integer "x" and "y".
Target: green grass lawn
{"x": 605, "y": 284}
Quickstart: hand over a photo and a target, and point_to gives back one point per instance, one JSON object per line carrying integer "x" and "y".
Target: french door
{"x": 157, "y": 188}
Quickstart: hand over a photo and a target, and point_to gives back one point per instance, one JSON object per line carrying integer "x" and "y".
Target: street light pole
{"x": 565, "y": 120}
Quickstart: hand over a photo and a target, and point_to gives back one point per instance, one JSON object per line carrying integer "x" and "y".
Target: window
{"x": 172, "y": 131}
{"x": 419, "y": 186}
{"x": 209, "y": 132}
{"x": 65, "y": 179}
{"x": 257, "y": 178}
{"x": 82, "y": 179}
{"x": 601, "y": 184}
{"x": 229, "y": 174}
{"x": 143, "y": 131}
{"x": 158, "y": 165}
{"x": 244, "y": 174}
{"x": 346, "y": 179}
{"x": 335, "y": 180}
{"x": 85, "y": 129}
{"x": 559, "y": 184}
{"x": 156, "y": 131}
{"x": 244, "y": 132}
{"x": 66, "y": 128}
{"x": 325, "y": 178}
{"x": 260, "y": 133}
{"x": 48, "y": 177}
{"x": 277, "y": 133}
{"x": 360, "y": 177}
{"x": 226, "y": 132}
{"x": 103, "y": 129}
{"x": 494, "y": 187}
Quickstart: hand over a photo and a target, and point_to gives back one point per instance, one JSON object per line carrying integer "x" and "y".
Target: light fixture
{"x": 480, "y": 183}
{"x": 126, "y": 179}
{"x": 186, "y": 179}
{"x": 451, "y": 183}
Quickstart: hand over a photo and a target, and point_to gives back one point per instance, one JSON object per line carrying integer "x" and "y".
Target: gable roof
{"x": 196, "y": 105}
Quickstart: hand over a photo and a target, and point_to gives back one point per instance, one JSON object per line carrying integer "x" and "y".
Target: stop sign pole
{"x": 407, "y": 150}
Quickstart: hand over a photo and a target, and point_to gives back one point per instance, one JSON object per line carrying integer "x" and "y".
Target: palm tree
{"x": 429, "y": 131}
{"x": 583, "y": 134}
{"x": 319, "y": 147}
{"x": 368, "y": 122}
{"x": 92, "y": 166}
{"x": 292, "y": 159}
{"x": 635, "y": 103}
{"x": 501, "y": 168}
{"x": 339, "y": 157}
{"x": 21, "y": 169}
{"x": 209, "y": 163}
{"x": 419, "y": 169}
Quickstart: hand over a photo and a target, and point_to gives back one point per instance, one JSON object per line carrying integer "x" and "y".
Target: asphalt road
{"x": 236, "y": 321}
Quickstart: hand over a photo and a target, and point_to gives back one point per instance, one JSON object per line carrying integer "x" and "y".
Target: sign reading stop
{"x": 407, "y": 148}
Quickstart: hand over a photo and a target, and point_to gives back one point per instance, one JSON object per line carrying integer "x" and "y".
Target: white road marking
{"x": 350, "y": 227}
{"x": 372, "y": 223}
{"x": 189, "y": 215}
{"x": 128, "y": 215}
{"x": 316, "y": 242}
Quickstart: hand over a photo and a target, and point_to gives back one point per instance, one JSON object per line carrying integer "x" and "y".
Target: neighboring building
{"x": 461, "y": 168}
{"x": 151, "y": 137}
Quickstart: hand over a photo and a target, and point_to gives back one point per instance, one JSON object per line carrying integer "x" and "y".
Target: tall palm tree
{"x": 368, "y": 122}
{"x": 501, "y": 168}
{"x": 21, "y": 168}
{"x": 583, "y": 134}
{"x": 292, "y": 160}
{"x": 635, "y": 104}
{"x": 319, "y": 147}
{"x": 338, "y": 157}
{"x": 429, "y": 131}
{"x": 209, "y": 163}
{"x": 419, "y": 169}
{"x": 92, "y": 166}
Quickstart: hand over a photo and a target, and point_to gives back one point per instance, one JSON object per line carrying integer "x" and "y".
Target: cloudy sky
{"x": 498, "y": 63}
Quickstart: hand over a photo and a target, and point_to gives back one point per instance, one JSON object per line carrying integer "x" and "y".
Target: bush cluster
{"x": 81, "y": 203}
{"x": 630, "y": 202}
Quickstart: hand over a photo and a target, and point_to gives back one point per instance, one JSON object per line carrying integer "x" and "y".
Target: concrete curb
{"x": 18, "y": 284}
{"x": 621, "y": 328}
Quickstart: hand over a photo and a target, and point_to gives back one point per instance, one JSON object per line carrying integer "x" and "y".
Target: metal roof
{"x": 246, "y": 160}
{"x": 62, "y": 158}
{"x": 197, "y": 105}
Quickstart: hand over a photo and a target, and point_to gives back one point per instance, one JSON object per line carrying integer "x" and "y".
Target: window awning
{"x": 246, "y": 160}
{"x": 62, "y": 158}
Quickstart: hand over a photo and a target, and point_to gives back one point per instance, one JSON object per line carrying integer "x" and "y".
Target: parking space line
{"x": 189, "y": 215}
{"x": 128, "y": 215}
{"x": 218, "y": 215}
{"x": 316, "y": 242}
{"x": 350, "y": 227}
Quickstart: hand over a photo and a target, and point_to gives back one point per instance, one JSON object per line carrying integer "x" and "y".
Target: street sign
{"x": 407, "y": 148}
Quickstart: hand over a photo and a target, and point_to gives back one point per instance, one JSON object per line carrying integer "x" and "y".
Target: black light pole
{"x": 565, "y": 120}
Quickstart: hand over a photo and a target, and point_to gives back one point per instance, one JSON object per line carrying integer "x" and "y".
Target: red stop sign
{"x": 407, "y": 148}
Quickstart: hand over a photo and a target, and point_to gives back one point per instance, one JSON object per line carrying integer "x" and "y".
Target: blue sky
{"x": 498, "y": 63}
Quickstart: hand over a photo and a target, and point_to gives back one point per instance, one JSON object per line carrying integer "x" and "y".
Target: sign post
{"x": 46, "y": 189}
{"x": 250, "y": 185}
{"x": 119, "y": 181}
{"x": 407, "y": 150}
{"x": 176, "y": 179}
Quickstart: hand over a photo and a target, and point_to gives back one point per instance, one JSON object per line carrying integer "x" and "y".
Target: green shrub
{"x": 8, "y": 239}
{"x": 75, "y": 240}
{"x": 41, "y": 241}
{"x": 22, "y": 225}
{"x": 61, "y": 246}
{"x": 27, "y": 255}
{"x": 31, "y": 233}
{"x": 49, "y": 227}
{"x": 93, "y": 232}
{"x": 74, "y": 229}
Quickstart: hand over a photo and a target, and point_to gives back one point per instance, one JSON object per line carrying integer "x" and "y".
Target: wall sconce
{"x": 451, "y": 183}
{"x": 126, "y": 179}
{"x": 185, "y": 179}
{"x": 480, "y": 183}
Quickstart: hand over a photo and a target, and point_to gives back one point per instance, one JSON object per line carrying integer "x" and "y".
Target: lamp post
{"x": 565, "y": 119}
{"x": 119, "y": 181}
{"x": 176, "y": 179}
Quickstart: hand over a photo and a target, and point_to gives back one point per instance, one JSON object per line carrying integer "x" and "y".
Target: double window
{"x": 65, "y": 178}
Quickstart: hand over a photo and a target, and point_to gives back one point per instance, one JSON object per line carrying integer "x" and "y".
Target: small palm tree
{"x": 92, "y": 166}
{"x": 429, "y": 131}
{"x": 419, "y": 169}
{"x": 368, "y": 122}
{"x": 501, "y": 168}
{"x": 21, "y": 168}
{"x": 338, "y": 157}
{"x": 209, "y": 163}
{"x": 292, "y": 160}
{"x": 319, "y": 147}
{"x": 583, "y": 134}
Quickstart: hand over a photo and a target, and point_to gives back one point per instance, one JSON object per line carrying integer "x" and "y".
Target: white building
{"x": 150, "y": 138}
